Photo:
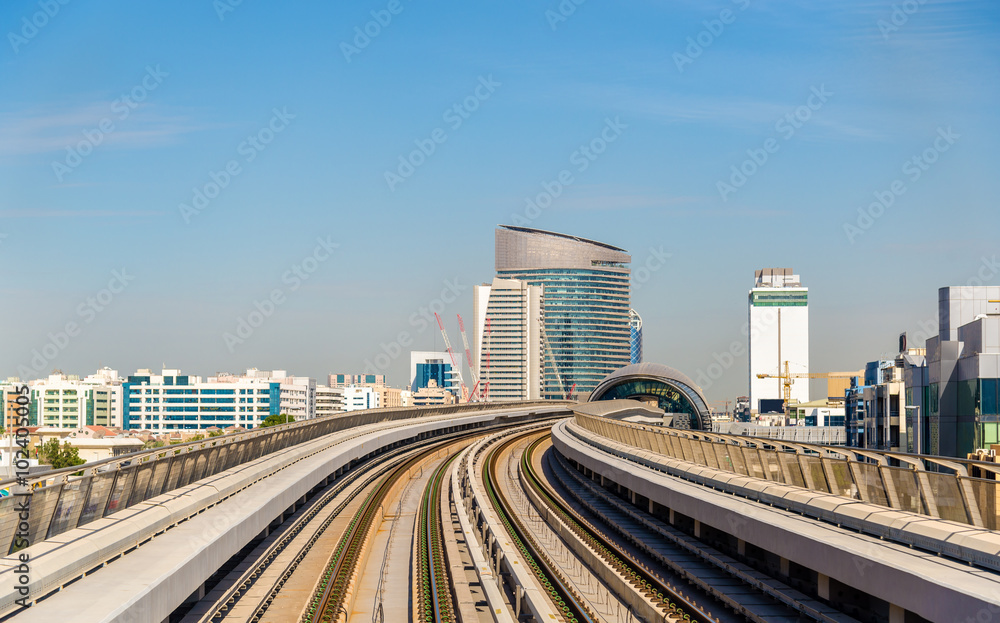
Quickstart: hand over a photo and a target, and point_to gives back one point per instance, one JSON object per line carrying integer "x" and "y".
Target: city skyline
{"x": 718, "y": 154}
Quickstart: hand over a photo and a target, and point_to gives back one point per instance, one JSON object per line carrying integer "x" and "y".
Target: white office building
{"x": 360, "y": 397}
{"x": 426, "y": 365}
{"x": 329, "y": 400}
{"x": 62, "y": 401}
{"x": 172, "y": 401}
{"x": 108, "y": 378}
{"x": 296, "y": 395}
{"x": 509, "y": 339}
{"x": 778, "y": 332}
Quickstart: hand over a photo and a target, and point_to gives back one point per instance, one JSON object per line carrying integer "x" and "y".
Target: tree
{"x": 59, "y": 457}
{"x": 197, "y": 438}
{"x": 214, "y": 433}
{"x": 274, "y": 420}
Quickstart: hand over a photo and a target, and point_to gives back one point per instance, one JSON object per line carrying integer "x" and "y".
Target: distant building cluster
{"x": 942, "y": 398}
{"x": 553, "y": 323}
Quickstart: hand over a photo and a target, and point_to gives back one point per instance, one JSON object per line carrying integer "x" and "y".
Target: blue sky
{"x": 92, "y": 180}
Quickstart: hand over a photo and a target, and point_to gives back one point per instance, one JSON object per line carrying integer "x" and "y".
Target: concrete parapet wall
{"x": 931, "y": 586}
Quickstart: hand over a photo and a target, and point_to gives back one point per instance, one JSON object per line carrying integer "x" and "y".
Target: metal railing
{"x": 890, "y": 479}
{"x": 64, "y": 499}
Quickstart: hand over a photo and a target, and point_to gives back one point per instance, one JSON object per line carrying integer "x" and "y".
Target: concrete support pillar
{"x": 197, "y": 595}
{"x": 671, "y": 516}
{"x": 741, "y": 547}
{"x": 823, "y": 586}
{"x": 697, "y": 529}
{"x": 897, "y": 614}
{"x": 784, "y": 567}
{"x": 518, "y": 595}
{"x": 650, "y": 504}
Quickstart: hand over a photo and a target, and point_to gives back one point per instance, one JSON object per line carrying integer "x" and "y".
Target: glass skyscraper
{"x": 585, "y": 310}
{"x": 635, "y": 336}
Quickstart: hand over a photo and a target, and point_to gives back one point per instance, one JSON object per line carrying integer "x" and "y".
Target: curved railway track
{"x": 357, "y": 479}
{"x": 671, "y": 603}
{"x": 331, "y": 596}
{"x": 333, "y": 593}
{"x": 434, "y": 601}
{"x": 562, "y": 595}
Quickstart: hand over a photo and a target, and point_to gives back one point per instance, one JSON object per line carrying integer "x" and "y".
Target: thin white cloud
{"x": 43, "y": 214}
{"x": 30, "y": 132}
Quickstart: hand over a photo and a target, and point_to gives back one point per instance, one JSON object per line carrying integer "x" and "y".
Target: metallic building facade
{"x": 585, "y": 318}
{"x": 635, "y": 336}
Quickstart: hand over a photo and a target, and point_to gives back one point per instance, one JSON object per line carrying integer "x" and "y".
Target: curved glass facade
{"x": 671, "y": 390}
{"x": 586, "y": 324}
{"x": 635, "y": 336}
{"x": 585, "y": 309}
{"x": 669, "y": 398}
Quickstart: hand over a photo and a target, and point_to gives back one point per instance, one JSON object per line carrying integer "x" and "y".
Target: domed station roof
{"x": 655, "y": 383}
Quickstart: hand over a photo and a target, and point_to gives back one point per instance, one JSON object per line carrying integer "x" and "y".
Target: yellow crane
{"x": 787, "y": 378}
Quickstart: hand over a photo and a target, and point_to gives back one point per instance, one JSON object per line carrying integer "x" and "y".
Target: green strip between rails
{"x": 434, "y": 602}
{"x": 561, "y": 595}
{"x": 650, "y": 585}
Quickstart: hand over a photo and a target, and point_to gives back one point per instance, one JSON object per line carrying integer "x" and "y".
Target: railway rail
{"x": 434, "y": 600}
{"x": 670, "y": 602}
{"x": 566, "y": 600}
{"x": 353, "y": 482}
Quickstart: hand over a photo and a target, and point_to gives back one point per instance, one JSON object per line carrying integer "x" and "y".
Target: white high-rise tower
{"x": 778, "y": 332}
{"x": 508, "y": 334}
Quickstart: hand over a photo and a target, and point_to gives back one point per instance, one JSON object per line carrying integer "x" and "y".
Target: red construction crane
{"x": 454, "y": 361}
{"x": 468, "y": 357}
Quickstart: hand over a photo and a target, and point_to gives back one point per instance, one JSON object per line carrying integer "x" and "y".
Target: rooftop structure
{"x": 659, "y": 386}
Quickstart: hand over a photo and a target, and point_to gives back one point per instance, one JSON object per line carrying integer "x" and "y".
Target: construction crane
{"x": 468, "y": 358}
{"x": 722, "y": 402}
{"x": 454, "y": 361}
{"x": 484, "y": 391}
{"x": 788, "y": 377}
{"x": 555, "y": 367}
